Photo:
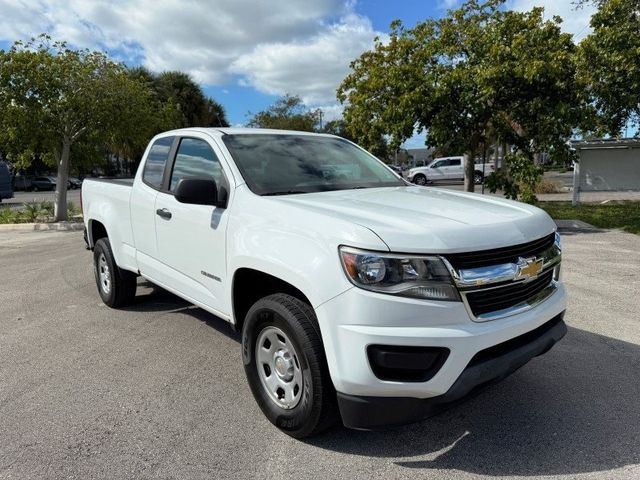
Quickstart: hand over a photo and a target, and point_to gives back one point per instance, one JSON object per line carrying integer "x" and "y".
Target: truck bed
{"x": 106, "y": 200}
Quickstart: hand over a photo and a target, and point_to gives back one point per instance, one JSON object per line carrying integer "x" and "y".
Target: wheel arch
{"x": 250, "y": 284}
{"x": 96, "y": 230}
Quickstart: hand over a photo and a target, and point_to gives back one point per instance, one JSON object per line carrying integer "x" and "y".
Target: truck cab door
{"x": 143, "y": 199}
{"x": 192, "y": 238}
{"x": 437, "y": 171}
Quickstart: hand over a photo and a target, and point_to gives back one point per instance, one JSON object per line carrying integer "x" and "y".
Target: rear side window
{"x": 195, "y": 158}
{"x": 455, "y": 163}
{"x": 156, "y": 161}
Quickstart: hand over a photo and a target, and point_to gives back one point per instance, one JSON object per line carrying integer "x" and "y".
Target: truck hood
{"x": 430, "y": 220}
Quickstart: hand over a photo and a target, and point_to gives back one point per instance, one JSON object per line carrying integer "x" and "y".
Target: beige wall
{"x": 610, "y": 169}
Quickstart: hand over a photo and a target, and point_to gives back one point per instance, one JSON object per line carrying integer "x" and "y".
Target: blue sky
{"x": 238, "y": 100}
{"x": 244, "y": 53}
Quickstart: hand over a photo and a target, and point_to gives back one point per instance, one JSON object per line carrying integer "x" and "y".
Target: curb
{"x": 576, "y": 226}
{"x": 36, "y": 227}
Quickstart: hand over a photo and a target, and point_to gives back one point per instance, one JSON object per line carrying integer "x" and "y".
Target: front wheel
{"x": 286, "y": 367}
{"x": 477, "y": 178}
{"x": 420, "y": 179}
{"x": 117, "y": 287}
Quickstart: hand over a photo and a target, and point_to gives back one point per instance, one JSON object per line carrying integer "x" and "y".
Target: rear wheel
{"x": 117, "y": 287}
{"x": 286, "y": 367}
{"x": 420, "y": 179}
{"x": 477, "y": 178}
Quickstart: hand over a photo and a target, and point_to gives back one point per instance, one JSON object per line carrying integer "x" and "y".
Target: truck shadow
{"x": 574, "y": 410}
{"x": 152, "y": 298}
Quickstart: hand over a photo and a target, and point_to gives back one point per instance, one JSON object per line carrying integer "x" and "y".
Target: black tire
{"x": 122, "y": 283}
{"x": 420, "y": 179}
{"x": 477, "y": 177}
{"x": 35, "y": 188}
{"x": 316, "y": 409}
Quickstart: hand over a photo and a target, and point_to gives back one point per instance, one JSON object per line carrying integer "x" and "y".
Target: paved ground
{"x": 158, "y": 391}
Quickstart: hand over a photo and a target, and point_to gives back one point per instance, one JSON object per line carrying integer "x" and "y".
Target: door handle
{"x": 164, "y": 213}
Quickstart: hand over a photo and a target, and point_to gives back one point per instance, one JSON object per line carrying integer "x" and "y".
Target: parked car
{"x": 446, "y": 168}
{"x": 22, "y": 183}
{"x": 396, "y": 168}
{"x": 362, "y": 298}
{"x": 6, "y": 191}
{"x": 44, "y": 183}
{"x": 74, "y": 183}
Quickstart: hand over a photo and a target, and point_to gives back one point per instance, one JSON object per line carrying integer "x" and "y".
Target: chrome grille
{"x": 498, "y": 299}
{"x": 484, "y": 258}
{"x": 505, "y": 281}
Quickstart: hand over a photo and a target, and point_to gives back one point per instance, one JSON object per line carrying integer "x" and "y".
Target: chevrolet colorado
{"x": 360, "y": 297}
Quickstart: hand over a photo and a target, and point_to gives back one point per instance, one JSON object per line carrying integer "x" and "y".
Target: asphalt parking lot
{"x": 158, "y": 390}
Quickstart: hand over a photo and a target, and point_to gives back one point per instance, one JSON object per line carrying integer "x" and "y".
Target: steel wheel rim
{"x": 104, "y": 274}
{"x": 279, "y": 368}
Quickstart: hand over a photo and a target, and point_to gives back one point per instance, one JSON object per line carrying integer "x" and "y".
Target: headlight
{"x": 558, "y": 241}
{"x": 415, "y": 277}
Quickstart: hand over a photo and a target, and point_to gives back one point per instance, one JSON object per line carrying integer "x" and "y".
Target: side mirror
{"x": 198, "y": 191}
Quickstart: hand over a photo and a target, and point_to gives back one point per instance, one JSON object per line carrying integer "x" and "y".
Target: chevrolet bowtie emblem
{"x": 529, "y": 267}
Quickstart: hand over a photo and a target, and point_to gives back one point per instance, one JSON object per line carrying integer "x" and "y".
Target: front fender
{"x": 297, "y": 246}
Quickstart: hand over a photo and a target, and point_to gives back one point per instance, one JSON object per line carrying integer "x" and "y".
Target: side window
{"x": 455, "y": 163}
{"x": 195, "y": 158}
{"x": 156, "y": 160}
{"x": 438, "y": 164}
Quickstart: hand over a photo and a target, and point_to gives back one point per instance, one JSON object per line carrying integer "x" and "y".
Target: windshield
{"x": 283, "y": 164}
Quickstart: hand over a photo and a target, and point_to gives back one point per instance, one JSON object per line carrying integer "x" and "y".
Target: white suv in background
{"x": 446, "y": 168}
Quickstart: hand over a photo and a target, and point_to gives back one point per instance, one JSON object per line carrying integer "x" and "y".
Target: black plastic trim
{"x": 487, "y": 366}
{"x": 406, "y": 363}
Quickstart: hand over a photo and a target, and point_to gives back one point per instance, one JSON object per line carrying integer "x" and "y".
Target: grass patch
{"x": 34, "y": 212}
{"x": 623, "y": 215}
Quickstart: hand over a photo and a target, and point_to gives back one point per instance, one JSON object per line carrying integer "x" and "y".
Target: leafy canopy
{"x": 610, "y": 64}
{"x": 478, "y": 75}
{"x": 287, "y": 113}
{"x": 53, "y": 98}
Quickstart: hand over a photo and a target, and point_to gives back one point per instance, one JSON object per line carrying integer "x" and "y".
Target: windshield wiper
{"x": 284, "y": 192}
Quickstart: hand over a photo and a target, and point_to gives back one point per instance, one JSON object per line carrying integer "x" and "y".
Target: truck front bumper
{"x": 487, "y": 366}
{"x": 357, "y": 319}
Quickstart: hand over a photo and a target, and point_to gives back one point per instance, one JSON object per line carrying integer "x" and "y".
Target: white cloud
{"x": 447, "y": 4}
{"x": 298, "y": 46}
{"x": 311, "y": 68}
{"x": 575, "y": 21}
{"x": 331, "y": 112}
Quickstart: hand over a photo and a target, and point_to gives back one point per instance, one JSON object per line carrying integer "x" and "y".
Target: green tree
{"x": 479, "y": 74}
{"x": 287, "y": 113}
{"x": 197, "y": 110}
{"x": 53, "y": 98}
{"x": 340, "y": 128}
{"x": 337, "y": 127}
{"x": 610, "y": 64}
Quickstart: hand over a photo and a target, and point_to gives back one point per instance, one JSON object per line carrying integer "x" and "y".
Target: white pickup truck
{"x": 360, "y": 297}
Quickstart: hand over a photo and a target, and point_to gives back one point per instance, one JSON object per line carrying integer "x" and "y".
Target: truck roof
{"x": 243, "y": 131}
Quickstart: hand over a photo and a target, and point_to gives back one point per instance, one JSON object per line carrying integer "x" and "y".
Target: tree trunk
{"x": 60, "y": 205}
{"x": 469, "y": 168}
